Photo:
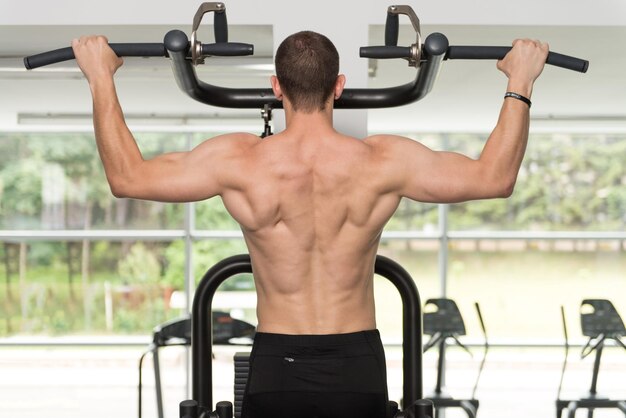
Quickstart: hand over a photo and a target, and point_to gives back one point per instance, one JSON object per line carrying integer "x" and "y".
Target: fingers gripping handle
{"x": 121, "y": 50}
{"x": 473, "y": 53}
{"x": 225, "y": 49}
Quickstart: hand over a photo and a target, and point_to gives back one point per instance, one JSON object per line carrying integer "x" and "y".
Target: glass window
{"x": 211, "y": 214}
{"x": 56, "y": 182}
{"x": 420, "y": 259}
{"x": 521, "y": 285}
{"x": 566, "y": 182}
{"x": 101, "y": 287}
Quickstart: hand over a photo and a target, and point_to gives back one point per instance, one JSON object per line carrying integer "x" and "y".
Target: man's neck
{"x": 307, "y": 123}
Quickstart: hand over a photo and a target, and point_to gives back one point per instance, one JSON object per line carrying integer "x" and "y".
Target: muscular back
{"x": 312, "y": 210}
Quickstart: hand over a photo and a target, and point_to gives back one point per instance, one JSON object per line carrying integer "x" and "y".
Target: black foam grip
{"x": 385, "y": 52}
{"x": 228, "y": 49}
{"x": 391, "y": 29}
{"x": 565, "y": 61}
{"x": 220, "y": 27}
{"x": 121, "y": 50}
{"x": 498, "y": 52}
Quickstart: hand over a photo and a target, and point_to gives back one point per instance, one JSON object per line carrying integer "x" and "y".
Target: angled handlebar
{"x": 176, "y": 44}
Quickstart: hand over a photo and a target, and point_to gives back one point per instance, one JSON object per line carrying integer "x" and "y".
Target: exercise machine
{"x": 601, "y": 324}
{"x": 443, "y": 324}
{"x": 201, "y": 404}
{"x": 185, "y": 53}
{"x": 177, "y": 332}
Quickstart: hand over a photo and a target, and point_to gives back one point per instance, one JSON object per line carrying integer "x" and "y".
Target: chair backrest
{"x": 604, "y": 319}
{"x": 446, "y": 319}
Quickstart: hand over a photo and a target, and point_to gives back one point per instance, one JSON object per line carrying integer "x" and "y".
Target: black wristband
{"x": 518, "y": 97}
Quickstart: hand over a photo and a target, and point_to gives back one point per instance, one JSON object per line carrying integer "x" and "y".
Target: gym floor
{"x": 74, "y": 382}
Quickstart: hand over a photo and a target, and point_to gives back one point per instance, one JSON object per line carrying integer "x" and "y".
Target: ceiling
{"x": 466, "y": 96}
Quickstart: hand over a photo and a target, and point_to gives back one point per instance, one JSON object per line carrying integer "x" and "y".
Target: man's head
{"x": 307, "y": 67}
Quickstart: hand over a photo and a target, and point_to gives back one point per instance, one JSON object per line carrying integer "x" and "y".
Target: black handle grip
{"x": 220, "y": 27}
{"x": 122, "y": 50}
{"x": 227, "y": 49}
{"x": 385, "y": 52}
{"x": 498, "y": 52}
{"x": 392, "y": 28}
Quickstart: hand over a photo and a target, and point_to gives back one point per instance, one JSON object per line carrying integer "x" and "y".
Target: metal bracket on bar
{"x": 266, "y": 114}
{"x": 196, "y": 45}
{"x": 416, "y": 48}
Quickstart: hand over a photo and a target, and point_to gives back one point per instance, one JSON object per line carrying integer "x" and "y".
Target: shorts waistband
{"x": 313, "y": 340}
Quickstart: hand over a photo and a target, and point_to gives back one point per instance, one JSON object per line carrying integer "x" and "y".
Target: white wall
{"x": 467, "y": 93}
{"x": 457, "y": 12}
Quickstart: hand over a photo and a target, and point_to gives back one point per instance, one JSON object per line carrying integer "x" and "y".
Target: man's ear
{"x": 339, "y": 85}
{"x": 276, "y": 87}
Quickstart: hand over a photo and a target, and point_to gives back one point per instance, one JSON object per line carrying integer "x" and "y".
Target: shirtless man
{"x": 312, "y": 204}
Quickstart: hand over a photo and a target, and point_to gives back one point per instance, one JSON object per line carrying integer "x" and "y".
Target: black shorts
{"x": 317, "y": 376}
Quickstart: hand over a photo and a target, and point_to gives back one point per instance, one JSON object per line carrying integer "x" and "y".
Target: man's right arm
{"x": 446, "y": 177}
{"x": 173, "y": 177}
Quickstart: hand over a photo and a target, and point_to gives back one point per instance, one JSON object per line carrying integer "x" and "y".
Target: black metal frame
{"x": 177, "y": 45}
{"x": 448, "y": 323}
{"x": 607, "y": 325}
{"x": 201, "y": 341}
{"x": 172, "y": 333}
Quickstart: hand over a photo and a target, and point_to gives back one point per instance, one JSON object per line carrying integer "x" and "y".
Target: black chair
{"x": 201, "y": 404}
{"x": 443, "y": 324}
{"x": 178, "y": 332}
{"x": 601, "y": 324}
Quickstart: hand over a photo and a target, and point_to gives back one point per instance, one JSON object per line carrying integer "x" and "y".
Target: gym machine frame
{"x": 600, "y": 325}
{"x": 201, "y": 404}
{"x": 443, "y": 324}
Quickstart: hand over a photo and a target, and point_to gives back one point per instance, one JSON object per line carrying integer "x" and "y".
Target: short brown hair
{"x": 307, "y": 65}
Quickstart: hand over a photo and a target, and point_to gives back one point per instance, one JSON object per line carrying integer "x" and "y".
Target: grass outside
{"x": 520, "y": 293}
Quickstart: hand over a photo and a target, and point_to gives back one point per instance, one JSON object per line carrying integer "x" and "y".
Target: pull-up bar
{"x": 186, "y": 53}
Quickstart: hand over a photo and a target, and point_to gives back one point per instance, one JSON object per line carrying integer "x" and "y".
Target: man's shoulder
{"x": 232, "y": 142}
{"x": 239, "y": 138}
{"x": 382, "y": 139}
{"x": 383, "y": 143}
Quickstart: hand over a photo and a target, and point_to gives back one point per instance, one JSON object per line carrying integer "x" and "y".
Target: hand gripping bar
{"x": 223, "y": 49}
{"x": 472, "y": 53}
